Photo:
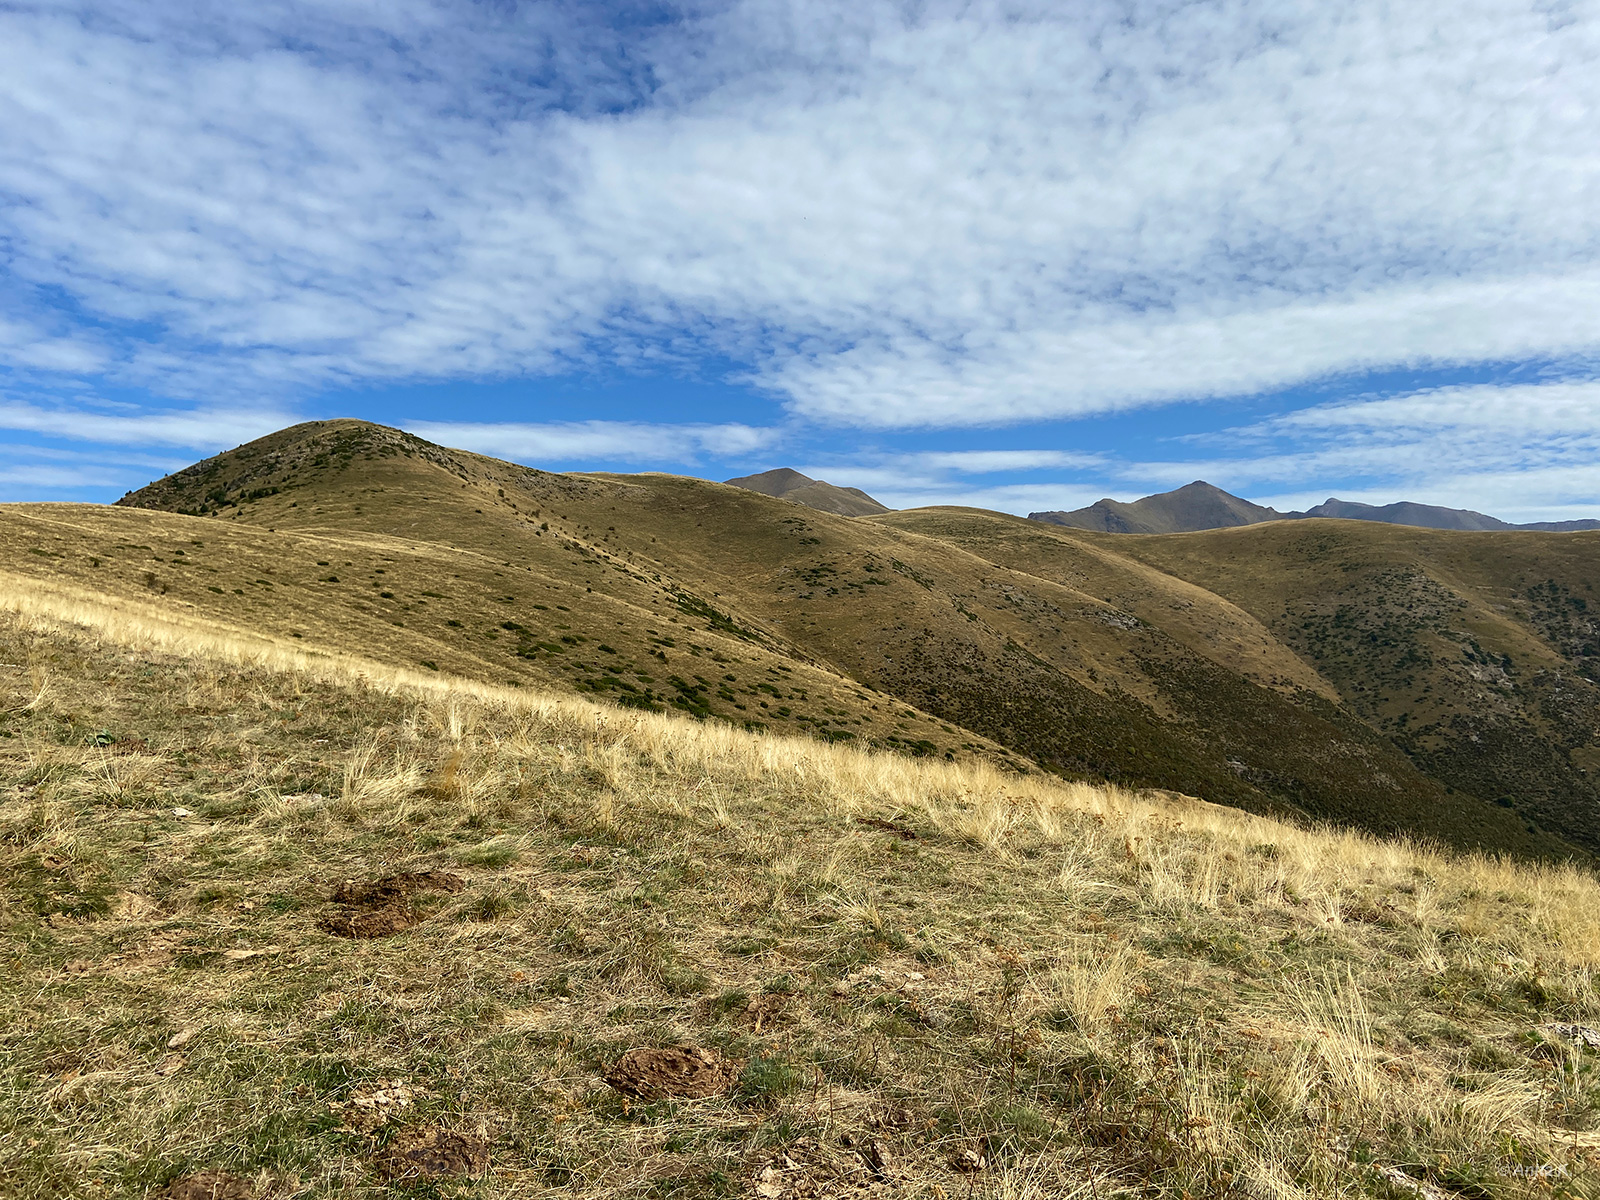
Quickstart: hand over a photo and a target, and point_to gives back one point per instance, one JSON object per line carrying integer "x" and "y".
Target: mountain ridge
{"x": 1201, "y": 506}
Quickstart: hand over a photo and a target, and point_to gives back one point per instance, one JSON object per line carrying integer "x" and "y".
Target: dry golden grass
{"x": 1094, "y": 992}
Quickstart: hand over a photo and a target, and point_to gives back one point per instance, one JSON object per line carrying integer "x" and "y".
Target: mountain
{"x": 1578, "y": 526}
{"x": 1424, "y": 516}
{"x": 1430, "y": 516}
{"x": 1394, "y": 679}
{"x": 1200, "y": 506}
{"x": 1195, "y": 506}
{"x": 787, "y": 484}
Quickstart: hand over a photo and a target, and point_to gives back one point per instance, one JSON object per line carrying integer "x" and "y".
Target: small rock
{"x": 878, "y": 1157}
{"x": 969, "y": 1162}
{"x": 182, "y": 812}
{"x": 242, "y": 955}
{"x": 1580, "y": 1034}
{"x": 182, "y": 1037}
{"x": 1420, "y": 1188}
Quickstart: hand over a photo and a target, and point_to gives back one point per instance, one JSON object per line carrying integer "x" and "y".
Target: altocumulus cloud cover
{"x": 1019, "y": 255}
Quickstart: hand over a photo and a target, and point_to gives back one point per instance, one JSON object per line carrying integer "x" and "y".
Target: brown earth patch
{"x": 905, "y": 833}
{"x": 687, "y": 1073}
{"x": 433, "y": 1154}
{"x": 208, "y": 1185}
{"x": 384, "y": 907}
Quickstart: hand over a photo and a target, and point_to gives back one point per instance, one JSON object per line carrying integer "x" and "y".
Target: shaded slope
{"x": 1479, "y": 653}
{"x": 1294, "y": 737}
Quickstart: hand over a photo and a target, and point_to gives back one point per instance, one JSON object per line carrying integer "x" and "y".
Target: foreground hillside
{"x": 924, "y": 631}
{"x": 282, "y": 922}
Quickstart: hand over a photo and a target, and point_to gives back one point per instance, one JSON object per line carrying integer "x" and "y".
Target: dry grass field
{"x": 897, "y": 976}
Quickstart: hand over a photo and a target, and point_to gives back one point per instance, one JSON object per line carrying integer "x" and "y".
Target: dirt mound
{"x": 433, "y": 1154}
{"x": 383, "y": 907}
{"x": 208, "y": 1185}
{"x": 687, "y": 1073}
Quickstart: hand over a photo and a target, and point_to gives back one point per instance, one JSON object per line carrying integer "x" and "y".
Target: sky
{"x": 1016, "y": 255}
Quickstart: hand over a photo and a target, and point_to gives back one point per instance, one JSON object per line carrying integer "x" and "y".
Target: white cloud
{"x": 211, "y": 428}
{"x": 922, "y": 479}
{"x": 590, "y": 441}
{"x": 977, "y": 214}
{"x": 990, "y": 462}
{"x": 1019, "y": 499}
{"x": 1522, "y": 453}
{"x": 21, "y": 479}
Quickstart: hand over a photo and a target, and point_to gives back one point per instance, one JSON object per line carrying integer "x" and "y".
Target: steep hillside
{"x": 1476, "y": 653}
{"x": 978, "y": 654}
{"x": 284, "y": 923}
{"x": 787, "y": 484}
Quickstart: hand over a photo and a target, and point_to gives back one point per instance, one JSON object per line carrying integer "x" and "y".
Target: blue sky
{"x": 1020, "y": 255}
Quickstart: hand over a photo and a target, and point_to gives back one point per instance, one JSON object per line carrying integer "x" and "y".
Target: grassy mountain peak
{"x": 1197, "y": 505}
{"x": 789, "y": 484}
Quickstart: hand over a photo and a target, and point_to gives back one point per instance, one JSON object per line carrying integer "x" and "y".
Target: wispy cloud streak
{"x": 975, "y": 215}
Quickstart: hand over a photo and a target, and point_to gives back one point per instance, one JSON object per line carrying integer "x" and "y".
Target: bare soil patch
{"x": 384, "y": 907}
{"x": 433, "y": 1154}
{"x": 903, "y": 832}
{"x": 691, "y": 1072}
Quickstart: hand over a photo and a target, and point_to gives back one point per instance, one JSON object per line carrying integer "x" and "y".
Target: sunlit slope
{"x": 277, "y": 921}
{"x": 431, "y": 606}
{"x": 1479, "y": 653}
{"x": 1116, "y": 672}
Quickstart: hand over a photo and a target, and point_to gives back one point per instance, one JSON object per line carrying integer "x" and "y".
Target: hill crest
{"x": 785, "y": 483}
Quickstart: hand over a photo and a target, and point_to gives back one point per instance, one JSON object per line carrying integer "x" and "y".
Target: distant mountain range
{"x": 1199, "y": 506}
{"x": 788, "y": 484}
